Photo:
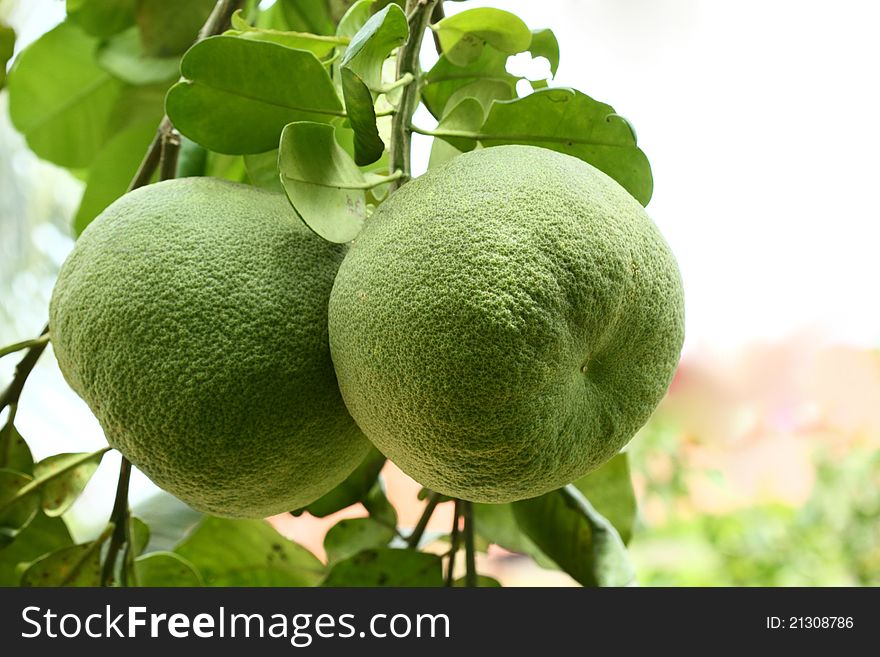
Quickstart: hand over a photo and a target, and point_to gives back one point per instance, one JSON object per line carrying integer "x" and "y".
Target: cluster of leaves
{"x": 560, "y": 530}
{"x": 307, "y": 97}
{"x": 297, "y": 89}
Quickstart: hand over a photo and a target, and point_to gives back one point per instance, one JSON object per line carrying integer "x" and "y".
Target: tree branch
{"x": 417, "y": 533}
{"x": 419, "y": 16}
{"x": 219, "y": 19}
{"x": 119, "y": 518}
{"x": 470, "y": 555}
{"x": 12, "y": 393}
{"x": 169, "y": 152}
{"x": 453, "y": 540}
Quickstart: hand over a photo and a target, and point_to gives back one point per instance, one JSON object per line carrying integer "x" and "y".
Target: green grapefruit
{"x": 506, "y": 323}
{"x": 191, "y": 316}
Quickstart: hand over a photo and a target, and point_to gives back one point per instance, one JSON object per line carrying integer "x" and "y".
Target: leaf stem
{"x": 438, "y": 15}
{"x": 22, "y": 370}
{"x": 119, "y": 518}
{"x": 480, "y": 136}
{"x": 469, "y": 547}
{"x": 374, "y": 181}
{"x": 453, "y": 540}
{"x": 401, "y": 82}
{"x": 418, "y": 15}
{"x": 418, "y": 532}
{"x": 25, "y": 344}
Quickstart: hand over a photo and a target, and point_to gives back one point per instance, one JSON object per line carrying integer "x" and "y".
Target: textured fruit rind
{"x": 506, "y": 323}
{"x": 192, "y": 318}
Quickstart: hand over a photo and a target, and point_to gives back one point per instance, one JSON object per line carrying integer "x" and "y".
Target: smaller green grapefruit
{"x": 191, "y": 316}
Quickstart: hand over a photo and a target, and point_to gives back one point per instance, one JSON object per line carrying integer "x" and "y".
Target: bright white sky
{"x": 760, "y": 121}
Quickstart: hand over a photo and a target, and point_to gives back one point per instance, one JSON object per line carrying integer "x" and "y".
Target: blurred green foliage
{"x": 833, "y": 539}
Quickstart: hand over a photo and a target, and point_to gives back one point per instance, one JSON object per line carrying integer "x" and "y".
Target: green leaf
{"x": 227, "y": 167}
{"x": 307, "y": 16}
{"x": 483, "y": 582}
{"x": 544, "y": 44}
{"x": 497, "y": 524}
{"x": 321, "y": 45}
{"x": 463, "y": 35}
{"x": 484, "y": 91}
{"x": 379, "y": 507}
{"x": 169, "y": 519}
{"x": 7, "y": 47}
{"x": 123, "y": 57}
{"x": 566, "y": 527}
{"x": 348, "y": 537}
{"x": 112, "y": 171}
{"x": 465, "y": 112}
{"x": 349, "y": 25}
{"x": 571, "y": 122}
{"x": 169, "y": 28}
{"x": 262, "y": 170}
{"x": 232, "y": 102}
{"x": 101, "y": 18}
{"x": 15, "y": 511}
{"x": 610, "y": 491}
{"x": 115, "y": 165}
{"x": 14, "y": 451}
{"x": 466, "y": 116}
{"x": 62, "y": 477}
{"x": 387, "y": 567}
{"x": 137, "y": 104}
{"x": 41, "y": 536}
{"x": 361, "y": 68}
{"x": 77, "y": 565}
{"x": 445, "y": 79}
{"x": 192, "y": 159}
{"x": 368, "y": 145}
{"x": 140, "y": 535}
{"x": 248, "y": 553}
{"x": 166, "y": 569}
{"x": 56, "y": 483}
{"x": 322, "y": 182}
{"x": 353, "y": 490}
{"x": 354, "y": 18}
{"x": 368, "y": 49}
{"x": 60, "y": 99}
